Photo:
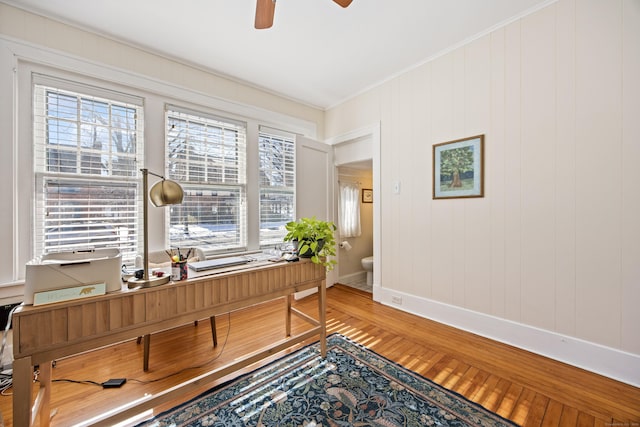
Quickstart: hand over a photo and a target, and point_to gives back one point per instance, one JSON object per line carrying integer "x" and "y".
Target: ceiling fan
{"x": 265, "y": 9}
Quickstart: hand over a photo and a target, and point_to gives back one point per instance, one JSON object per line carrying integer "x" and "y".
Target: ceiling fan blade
{"x": 265, "y": 9}
{"x": 343, "y": 3}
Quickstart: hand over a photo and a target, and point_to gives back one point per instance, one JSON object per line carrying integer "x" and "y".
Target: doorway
{"x": 355, "y": 181}
{"x": 356, "y": 153}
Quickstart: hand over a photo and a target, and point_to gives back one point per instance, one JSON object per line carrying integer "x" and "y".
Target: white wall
{"x": 549, "y": 259}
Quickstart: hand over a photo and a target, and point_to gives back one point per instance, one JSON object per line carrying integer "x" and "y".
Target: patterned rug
{"x": 353, "y": 386}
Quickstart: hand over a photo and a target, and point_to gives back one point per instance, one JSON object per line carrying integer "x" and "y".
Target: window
{"x": 207, "y": 156}
{"x": 277, "y": 184}
{"x": 86, "y": 151}
{"x": 349, "y": 210}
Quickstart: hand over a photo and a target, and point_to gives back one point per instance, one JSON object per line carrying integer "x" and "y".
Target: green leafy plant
{"x": 315, "y": 240}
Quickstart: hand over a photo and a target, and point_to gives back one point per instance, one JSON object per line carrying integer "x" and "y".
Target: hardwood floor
{"x": 528, "y": 389}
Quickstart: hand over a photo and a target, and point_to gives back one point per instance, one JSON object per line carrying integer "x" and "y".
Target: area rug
{"x": 352, "y": 386}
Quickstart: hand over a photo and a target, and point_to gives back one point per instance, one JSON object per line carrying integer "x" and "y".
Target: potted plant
{"x": 314, "y": 239}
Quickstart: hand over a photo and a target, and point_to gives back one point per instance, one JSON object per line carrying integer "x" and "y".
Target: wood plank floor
{"x": 526, "y": 388}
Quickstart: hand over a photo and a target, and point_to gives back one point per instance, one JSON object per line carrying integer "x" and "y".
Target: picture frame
{"x": 367, "y": 195}
{"x": 458, "y": 168}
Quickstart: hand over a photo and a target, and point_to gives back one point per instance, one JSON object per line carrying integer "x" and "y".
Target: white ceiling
{"x": 316, "y": 52}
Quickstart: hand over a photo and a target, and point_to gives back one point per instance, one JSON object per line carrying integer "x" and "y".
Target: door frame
{"x": 373, "y": 132}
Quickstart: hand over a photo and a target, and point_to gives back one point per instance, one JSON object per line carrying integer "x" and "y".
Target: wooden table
{"x": 45, "y": 333}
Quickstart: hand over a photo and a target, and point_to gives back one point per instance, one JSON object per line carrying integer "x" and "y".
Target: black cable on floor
{"x": 6, "y": 381}
{"x": 90, "y": 382}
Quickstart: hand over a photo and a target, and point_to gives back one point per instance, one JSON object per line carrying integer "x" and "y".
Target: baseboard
{"x": 610, "y": 362}
{"x": 353, "y": 277}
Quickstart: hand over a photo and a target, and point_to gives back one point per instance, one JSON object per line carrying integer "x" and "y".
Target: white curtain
{"x": 349, "y": 210}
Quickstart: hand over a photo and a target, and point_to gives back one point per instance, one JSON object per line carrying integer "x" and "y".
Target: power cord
{"x": 88, "y": 382}
{"x": 112, "y": 383}
{"x": 118, "y": 382}
{"x": 4, "y": 337}
{"x": 6, "y": 381}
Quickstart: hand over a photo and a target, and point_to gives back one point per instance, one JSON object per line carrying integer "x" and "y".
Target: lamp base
{"x": 149, "y": 283}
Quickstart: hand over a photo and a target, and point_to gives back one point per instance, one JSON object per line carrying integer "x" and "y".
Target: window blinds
{"x": 207, "y": 156}
{"x": 86, "y": 152}
{"x": 277, "y": 183}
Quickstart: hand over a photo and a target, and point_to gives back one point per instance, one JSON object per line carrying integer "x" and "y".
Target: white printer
{"x": 62, "y": 270}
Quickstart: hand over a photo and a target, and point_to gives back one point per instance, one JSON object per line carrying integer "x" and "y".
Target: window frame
{"x": 109, "y": 234}
{"x": 240, "y": 186}
{"x": 289, "y": 161}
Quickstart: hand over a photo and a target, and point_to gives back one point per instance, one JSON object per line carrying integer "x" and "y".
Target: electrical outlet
{"x": 396, "y": 300}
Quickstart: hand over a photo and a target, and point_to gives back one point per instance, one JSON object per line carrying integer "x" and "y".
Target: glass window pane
{"x": 61, "y": 132}
{"x": 83, "y": 214}
{"x": 209, "y": 217}
{"x": 276, "y": 210}
{"x": 207, "y": 156}
{"x": 86, "y": 152}
{"x": 277, "y": 186}
{"x": 62, "y": 106}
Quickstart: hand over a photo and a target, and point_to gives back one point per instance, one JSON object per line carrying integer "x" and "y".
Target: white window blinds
{"x": 86, "y": 150}
{"x": 207, "y": 156}
{"x": 277, "y": 184}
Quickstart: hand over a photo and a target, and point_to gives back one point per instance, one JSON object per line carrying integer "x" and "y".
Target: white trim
{"x": 354, "y": 134}
{"x": 12, "y": 292}
{"x": 49, "y": 57}
{"x": 374, "y": 132}
{"x": 610, "y": 362}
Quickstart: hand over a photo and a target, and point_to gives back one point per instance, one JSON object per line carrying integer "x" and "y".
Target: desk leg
{"x": 145, "y": 357}
{"x": 322, "y": 316}
{"x": 214, "y": 330}
{"x": 45, "y": 384}
{"x": 288, "y": 314}
{"x": 22, "y": 377}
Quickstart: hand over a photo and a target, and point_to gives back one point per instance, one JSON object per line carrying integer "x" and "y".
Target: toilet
{"x": 367, "y": 264}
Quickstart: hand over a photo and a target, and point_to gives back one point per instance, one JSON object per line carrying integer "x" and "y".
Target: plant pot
{"x": 308, "y": 253}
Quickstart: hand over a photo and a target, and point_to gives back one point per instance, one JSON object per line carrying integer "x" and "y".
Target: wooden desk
{"x": 42, "y": 334}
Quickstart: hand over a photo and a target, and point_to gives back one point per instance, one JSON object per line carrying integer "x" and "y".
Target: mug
{"x": 179, "y": 270}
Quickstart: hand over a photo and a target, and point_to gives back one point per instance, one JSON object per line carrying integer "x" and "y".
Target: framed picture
{"x": 458, "y": 168}
{"x": 367, "y": 195}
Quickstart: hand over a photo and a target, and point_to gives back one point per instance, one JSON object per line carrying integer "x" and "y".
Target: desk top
{"x": 46, "y": 332}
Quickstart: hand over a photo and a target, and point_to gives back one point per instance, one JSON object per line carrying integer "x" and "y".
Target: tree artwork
{"x": 456, "y": 162}
{"x": 458, "y": 168}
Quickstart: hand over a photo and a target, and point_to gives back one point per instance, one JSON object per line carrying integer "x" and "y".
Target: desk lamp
{"x": 163, "y": 193}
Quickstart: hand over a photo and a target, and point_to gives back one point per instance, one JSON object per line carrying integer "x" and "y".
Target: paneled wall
{"x": 553, "y": 245}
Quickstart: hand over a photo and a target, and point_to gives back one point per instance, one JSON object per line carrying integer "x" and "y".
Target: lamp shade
{"x": 166, "y": 192}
